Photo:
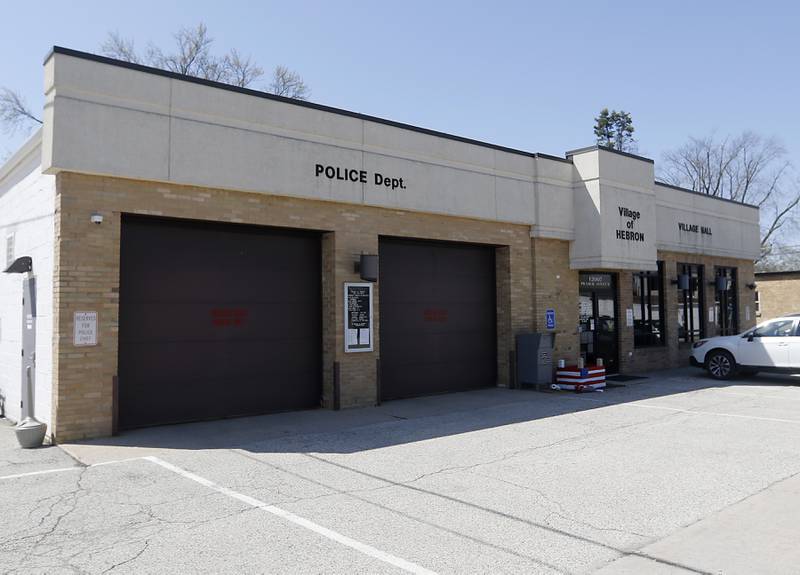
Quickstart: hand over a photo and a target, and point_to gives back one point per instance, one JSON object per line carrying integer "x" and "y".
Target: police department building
{"x": 203, "y": 251}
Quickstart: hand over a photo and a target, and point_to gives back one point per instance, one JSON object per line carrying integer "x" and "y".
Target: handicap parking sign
{"x": 550, "y": 318}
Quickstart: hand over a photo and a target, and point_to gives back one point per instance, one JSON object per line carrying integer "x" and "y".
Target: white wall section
{"x": 27, "y": 203}
{"x": 107, "y": 118}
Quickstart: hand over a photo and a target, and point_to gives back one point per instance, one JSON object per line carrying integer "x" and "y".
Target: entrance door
{"x": 598, "y": 319}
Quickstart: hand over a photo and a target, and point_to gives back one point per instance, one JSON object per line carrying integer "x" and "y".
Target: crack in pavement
{"x": 503, "y": 514}
{"x": 131, "y": 559}
{"x": 57, "y": 547}
{"x": 405, "y": 515}
{"x": 591, "y": 434}
{"x": 561, "y": 511}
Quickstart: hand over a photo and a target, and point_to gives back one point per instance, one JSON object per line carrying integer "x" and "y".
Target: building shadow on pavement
{"x": 411, "y": 420}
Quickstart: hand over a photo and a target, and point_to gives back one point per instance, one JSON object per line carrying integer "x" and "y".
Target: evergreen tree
{"x": 615, "y": 130}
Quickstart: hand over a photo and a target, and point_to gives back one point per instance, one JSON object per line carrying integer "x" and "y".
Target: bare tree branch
{"x": 115, "y": 46}
{"x": 778, "y": 220}
{"x": 747, "y": 168}
{"x": 242, "y": 71}
{"x": 193, "y": 57}
{"x": 288, "y": 83}
{"x": 14, "y": 112}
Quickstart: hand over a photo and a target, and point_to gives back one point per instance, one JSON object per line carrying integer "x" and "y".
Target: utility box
{"x": 534, "y": 355}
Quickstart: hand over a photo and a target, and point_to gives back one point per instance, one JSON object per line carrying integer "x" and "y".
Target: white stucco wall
{"x": 27, "y": 203}
{"x": 106, "y": 119}
{"x": 734, "y": 228}
{"x": 115, "y": 121}
{"x": 608, "y": 183}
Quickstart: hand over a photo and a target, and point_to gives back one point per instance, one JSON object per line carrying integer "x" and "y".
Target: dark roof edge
{"x": 775, "y": 274}
{"x": 292, "y": 101}
{"x": 688, "y": 191}
{"x": 607, "y": 149}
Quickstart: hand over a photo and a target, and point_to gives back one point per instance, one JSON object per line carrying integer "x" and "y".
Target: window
{"x": 648, "y": 301}
{"x": 725, "y": 301}
{"x": 9, "y": 249}
{"x": 691, "y": 326}
{"x": 758, "y": 304}
{"x": 777, "y": 328}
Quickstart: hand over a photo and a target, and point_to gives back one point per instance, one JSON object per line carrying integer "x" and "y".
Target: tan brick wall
{"x": 556, "y": 287}
{"x": 87, "y": 278}
{"x": 779, "y": 295}
{"x": 532, "y": 276}
{"x": 674, "y": 353}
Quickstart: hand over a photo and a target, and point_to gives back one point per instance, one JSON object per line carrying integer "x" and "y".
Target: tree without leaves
{"x": 748, "y": 169}
{"x": 119, "y": 48}
{"x": 289, "y": 84}
{"x": 14, "y": 113}
{"x": 193, "y": 57}
{"x": 615, "y": 130}
{"x": 242, "y": 71}
{"x": 781, "y": 258}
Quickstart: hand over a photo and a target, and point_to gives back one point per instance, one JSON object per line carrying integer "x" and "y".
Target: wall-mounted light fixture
{"x": 682, "y": 281}
{"x": 20, "y": 265}
{"x": 722, "y": 283}
{"x": 367, "y": 267}
{"x": 96, "y": 218}
{"x": 750, "y": 286}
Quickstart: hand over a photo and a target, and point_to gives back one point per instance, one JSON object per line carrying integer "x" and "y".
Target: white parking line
{"x": 63, "y": 469}
{"x": 692, "y": 411}
{"x": 759, "y": 396}
{"x": 297, "y": 520}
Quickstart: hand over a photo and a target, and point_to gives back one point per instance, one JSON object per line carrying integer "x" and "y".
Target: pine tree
{"x": 615, "y": 130}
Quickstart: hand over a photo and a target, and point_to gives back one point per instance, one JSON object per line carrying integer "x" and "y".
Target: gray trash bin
{"x": 534, "y": 357}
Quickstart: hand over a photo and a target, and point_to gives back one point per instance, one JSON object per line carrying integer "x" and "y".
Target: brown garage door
{"x": 437, "y": 318}
{"x": 216, "y": 320}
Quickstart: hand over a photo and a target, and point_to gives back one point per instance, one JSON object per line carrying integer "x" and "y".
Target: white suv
{"x": 770, "y": 346}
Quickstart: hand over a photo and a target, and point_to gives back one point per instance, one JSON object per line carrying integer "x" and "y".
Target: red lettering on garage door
{"x": 437, "y": 315}
{"x": 228, "y": 316}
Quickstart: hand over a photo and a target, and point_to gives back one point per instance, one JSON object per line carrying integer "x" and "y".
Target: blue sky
{"x": 529, "y": 75}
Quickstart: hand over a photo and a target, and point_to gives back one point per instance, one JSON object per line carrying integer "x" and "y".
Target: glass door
{"x": 598, "y": 319}
{"x": 725, "y": 301}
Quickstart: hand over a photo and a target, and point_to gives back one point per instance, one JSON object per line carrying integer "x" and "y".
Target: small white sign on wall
{"x": 85, "y": 330}
{"x": 747, "y": 313}
{"x": 711, "y": 318}
{"x": 629, "y": 317}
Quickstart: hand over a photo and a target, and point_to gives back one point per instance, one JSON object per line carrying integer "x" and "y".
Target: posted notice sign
{"x": 357, "y": 317}
{"x": 85, "y": 330}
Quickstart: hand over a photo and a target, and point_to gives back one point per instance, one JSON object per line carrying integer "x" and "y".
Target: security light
{"x": 21, "y": 265}
{"x": 367, "y": 267}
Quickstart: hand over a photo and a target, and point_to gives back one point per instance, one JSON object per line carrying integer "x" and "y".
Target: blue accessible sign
{"x": 550, "y": 319}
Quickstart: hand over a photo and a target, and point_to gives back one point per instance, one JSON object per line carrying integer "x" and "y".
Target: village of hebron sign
{"x": 630, "y": 233}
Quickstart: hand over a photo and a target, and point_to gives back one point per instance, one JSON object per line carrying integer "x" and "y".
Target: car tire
{"x": 720, "y": 364}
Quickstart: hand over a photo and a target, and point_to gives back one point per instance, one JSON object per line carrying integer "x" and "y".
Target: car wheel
{"x": 720, "y": 364}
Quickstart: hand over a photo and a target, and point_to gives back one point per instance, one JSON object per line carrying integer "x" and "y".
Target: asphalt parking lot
{"x": 672, "y": 474}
